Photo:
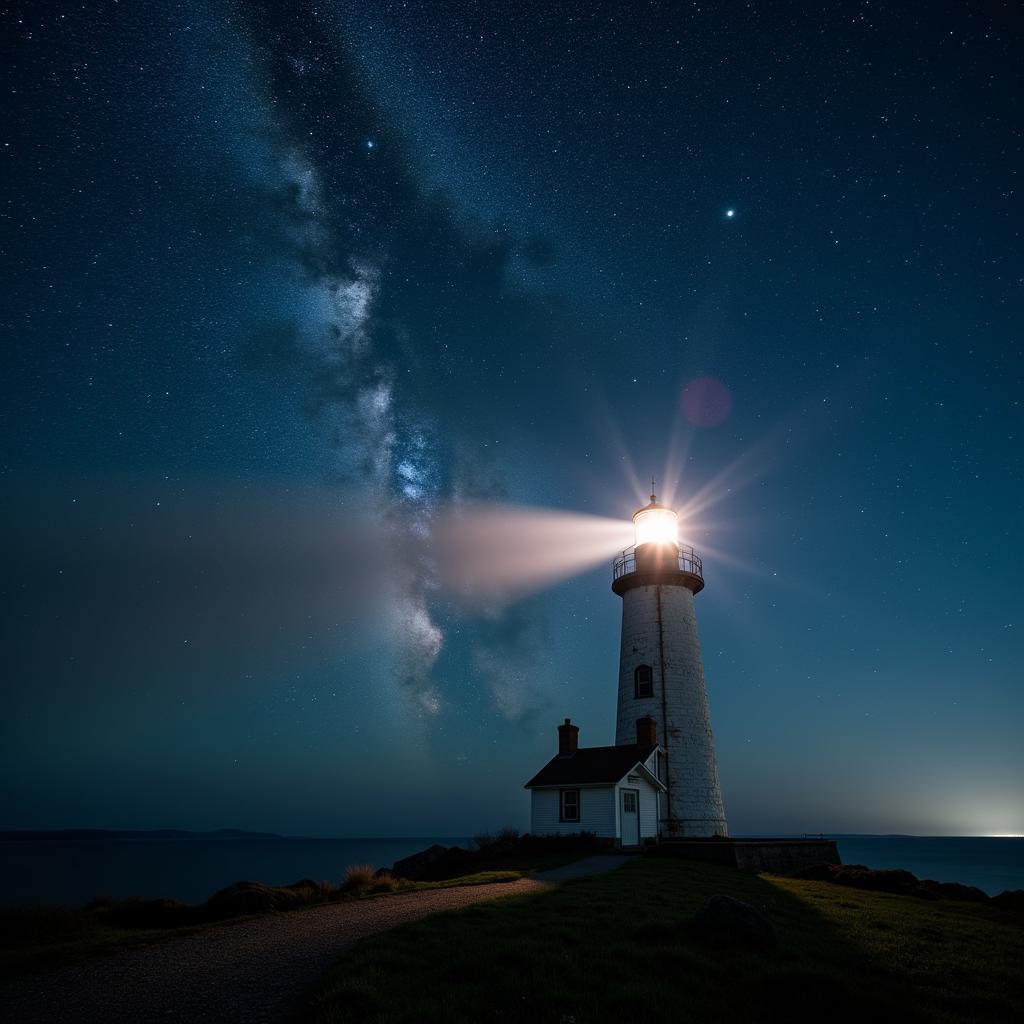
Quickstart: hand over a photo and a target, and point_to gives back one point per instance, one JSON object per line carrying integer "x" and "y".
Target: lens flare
{"x": 706, "y": 402}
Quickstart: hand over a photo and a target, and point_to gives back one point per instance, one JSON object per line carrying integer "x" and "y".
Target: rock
{"x": 414, "y": 865}
{"x": 724, "y": 921}
{"x": 434, "y": 863}
{"x": 456, "y": 861}
{"x": 892, "y": 880}
{"x": 895, "y": 881}
{"x": 860, "y": 877}
{"x": 952, "y": 891}
{"x": 248, "y": 898}
{"x": 1010, "y": 899}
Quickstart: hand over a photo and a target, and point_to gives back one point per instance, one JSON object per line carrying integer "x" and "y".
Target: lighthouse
{"x": 661, "y": 676}
{"x": 657, "y": 786}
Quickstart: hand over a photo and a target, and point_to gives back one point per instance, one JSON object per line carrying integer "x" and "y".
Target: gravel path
{"x": 253, "y": 971}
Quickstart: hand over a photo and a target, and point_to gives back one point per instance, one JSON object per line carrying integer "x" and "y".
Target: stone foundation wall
{"x": 775, "y": 856}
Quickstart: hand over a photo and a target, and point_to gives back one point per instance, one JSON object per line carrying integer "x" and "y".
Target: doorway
{"x": 630, "y": 814}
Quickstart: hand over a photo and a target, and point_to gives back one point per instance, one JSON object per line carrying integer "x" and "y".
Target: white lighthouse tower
{"x": 660, "y": 671}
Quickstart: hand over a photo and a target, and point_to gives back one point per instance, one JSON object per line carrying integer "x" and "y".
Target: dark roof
{"x": 590, "y": 766}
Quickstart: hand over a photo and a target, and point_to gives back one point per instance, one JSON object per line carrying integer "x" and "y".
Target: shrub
{"x": 358, "y": 876}
{"x": 30, "y": 926}
{"x": 141, "y": 913}
{"x": 505, "y": 841}
{"x": 384, "y": 881}
{"x": 308, "y": 891}
{"x": 572, "y": 842}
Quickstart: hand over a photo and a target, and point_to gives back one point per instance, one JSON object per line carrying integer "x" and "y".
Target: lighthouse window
{"x": 643, "y": 681}
{"x": 570, "y": 809}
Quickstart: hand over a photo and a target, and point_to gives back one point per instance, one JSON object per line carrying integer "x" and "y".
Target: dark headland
{"x": 66, "y": 834}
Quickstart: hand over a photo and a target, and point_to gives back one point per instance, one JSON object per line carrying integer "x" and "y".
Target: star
{"x": 730, "y": 213}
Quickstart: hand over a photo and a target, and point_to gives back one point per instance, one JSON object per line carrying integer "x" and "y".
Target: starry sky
{"x": 293, "y": 289}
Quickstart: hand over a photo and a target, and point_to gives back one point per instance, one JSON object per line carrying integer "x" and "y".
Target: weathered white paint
{"x": 683, "y": 720}
{"x": 597, "y": 812}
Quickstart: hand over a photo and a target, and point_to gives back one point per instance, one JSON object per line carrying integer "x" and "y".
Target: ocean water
{"x": 990, "y": 863}
{"x": 74, "y": 871}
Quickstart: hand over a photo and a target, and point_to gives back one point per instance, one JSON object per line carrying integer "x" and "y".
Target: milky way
{"x": 292, "y": 290}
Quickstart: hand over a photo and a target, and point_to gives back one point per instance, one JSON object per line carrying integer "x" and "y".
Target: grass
{"x": 359, "y": 876}
{"x": 620, "y": 947}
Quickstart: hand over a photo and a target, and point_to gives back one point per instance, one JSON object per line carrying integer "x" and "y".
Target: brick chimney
{"x": 646, "y": 731}
{"x": 568, "y": 739}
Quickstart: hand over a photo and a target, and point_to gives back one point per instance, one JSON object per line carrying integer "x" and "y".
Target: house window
{"x": 569, "y": 805}
{"x": 643, "y": 681}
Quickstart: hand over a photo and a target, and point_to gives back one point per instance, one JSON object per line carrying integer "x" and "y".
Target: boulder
{"x": 725, "y": 921}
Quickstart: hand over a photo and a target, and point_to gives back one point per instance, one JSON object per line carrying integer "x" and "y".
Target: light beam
{"x": 503, "y": 552}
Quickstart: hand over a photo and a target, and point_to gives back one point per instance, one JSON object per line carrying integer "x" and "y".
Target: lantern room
{"x": 656, "y": 524}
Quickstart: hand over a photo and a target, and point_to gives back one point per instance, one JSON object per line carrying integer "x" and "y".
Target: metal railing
{"x": 625, "y": 562}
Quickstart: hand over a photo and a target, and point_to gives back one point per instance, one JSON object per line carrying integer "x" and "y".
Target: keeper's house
{"x": 614, "y": 792}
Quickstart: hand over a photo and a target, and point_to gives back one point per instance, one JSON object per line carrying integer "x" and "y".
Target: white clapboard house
{"x": 614, "y": 792}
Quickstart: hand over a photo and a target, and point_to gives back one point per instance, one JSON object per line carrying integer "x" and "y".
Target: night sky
{"x": 292, "y": 296}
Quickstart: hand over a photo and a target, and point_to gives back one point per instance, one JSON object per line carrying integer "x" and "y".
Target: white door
{"x": 630, "y": 818}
